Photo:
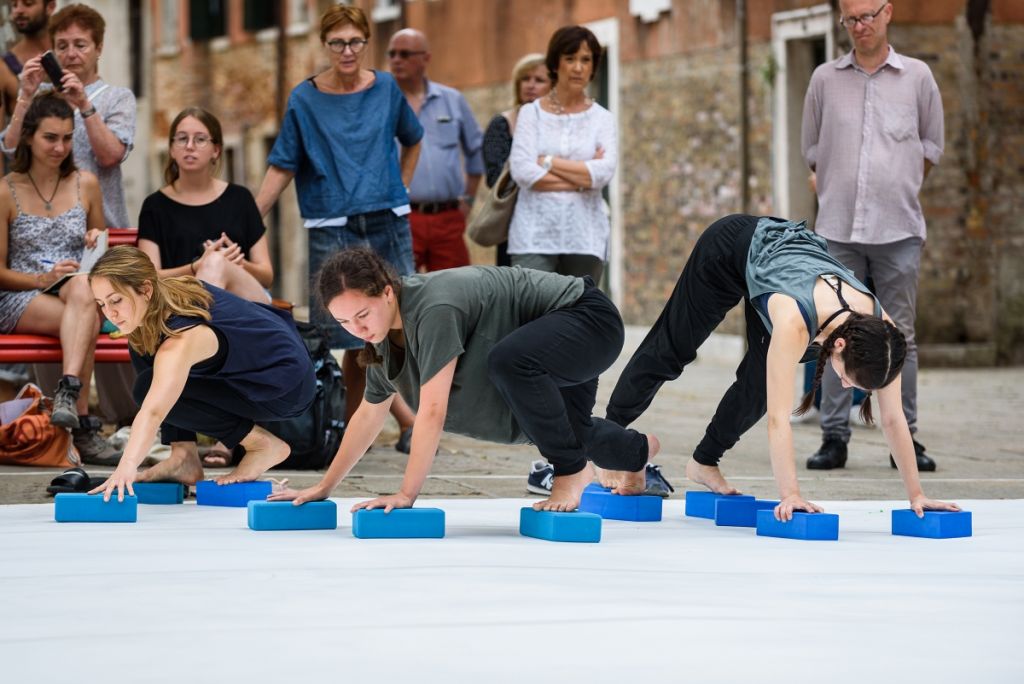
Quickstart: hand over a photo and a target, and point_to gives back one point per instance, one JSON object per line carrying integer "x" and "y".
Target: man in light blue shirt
{"x": 450, "y": 164}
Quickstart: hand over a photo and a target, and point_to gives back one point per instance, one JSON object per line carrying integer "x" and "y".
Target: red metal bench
{"x": 46, "y": 349}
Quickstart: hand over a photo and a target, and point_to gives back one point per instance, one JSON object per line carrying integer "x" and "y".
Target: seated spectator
{"x": 200, "y": 225}
{"x": 50, "y": 211}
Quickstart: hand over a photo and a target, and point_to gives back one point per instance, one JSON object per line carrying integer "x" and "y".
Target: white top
{"x": 561, "y": 222}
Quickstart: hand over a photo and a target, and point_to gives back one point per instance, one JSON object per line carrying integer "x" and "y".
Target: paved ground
{"x": 968, "y": 422}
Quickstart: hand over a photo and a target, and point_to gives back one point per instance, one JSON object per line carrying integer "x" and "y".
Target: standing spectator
{"x": 872, "y": 129}
{"x": 29, "y": 18}
{"x": 337, "y": 142}
{"x": 103, "y": 138}
{"x": 564, "y": 152}
{"x": 530, "y": 80}
{"x": 441, "y": 192}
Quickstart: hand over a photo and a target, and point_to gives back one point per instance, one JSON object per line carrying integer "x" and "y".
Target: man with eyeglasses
{"x": 872, "y": 129}
{"x": 445, "y": 182}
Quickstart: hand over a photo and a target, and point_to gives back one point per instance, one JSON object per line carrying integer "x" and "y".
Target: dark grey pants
{"x": 893, "y": 268}
{"x": 579, "y": 265}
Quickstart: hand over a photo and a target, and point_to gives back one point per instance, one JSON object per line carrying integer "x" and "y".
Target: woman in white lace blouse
{"x": 564, "y": 151}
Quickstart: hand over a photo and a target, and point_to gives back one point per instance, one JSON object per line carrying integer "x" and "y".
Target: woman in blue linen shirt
{"x": 337, "y": 143}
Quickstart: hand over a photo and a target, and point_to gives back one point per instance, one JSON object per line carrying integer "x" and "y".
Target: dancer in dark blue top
{"x": 207, "y": 361}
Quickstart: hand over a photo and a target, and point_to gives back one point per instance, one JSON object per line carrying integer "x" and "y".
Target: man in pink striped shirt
{"x": 872, "y": 129}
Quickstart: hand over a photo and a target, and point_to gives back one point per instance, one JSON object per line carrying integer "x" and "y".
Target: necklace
{"x": 48, "y": 203}
{"x": 559, "y": 108}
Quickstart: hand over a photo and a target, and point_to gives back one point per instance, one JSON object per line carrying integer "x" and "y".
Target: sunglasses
{"x": 405, "y": 54}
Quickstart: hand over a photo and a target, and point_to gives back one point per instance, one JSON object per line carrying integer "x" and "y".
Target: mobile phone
{"x": 52, "y": 68}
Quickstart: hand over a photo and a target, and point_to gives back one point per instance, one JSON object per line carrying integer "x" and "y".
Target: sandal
{"x": 73, "y": 480}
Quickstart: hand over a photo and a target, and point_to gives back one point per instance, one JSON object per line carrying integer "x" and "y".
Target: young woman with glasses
{"x": 337, "y": 141}
{"x": 199, "y": 225}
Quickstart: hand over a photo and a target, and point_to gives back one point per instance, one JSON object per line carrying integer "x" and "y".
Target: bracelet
{"x": 546, "y": 162}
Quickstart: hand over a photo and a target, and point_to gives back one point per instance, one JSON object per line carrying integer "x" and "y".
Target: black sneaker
{"x": 65, "y": 402}
{"x": 831, "y": 454}
{"x": 657, "y": 485}
{"x": 541, "y": 477}
{"x": 925, "y": 464}
{"x": 90, "y": 443}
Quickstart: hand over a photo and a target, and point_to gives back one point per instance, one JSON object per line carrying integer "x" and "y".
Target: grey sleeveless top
{"x": 787, "y": 258}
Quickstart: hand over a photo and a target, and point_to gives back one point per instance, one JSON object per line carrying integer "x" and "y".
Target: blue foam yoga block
{"x": 400, "y": 523}
{"x": 702, "y": 504}
{"x": 610, "y": 506}
{"x": 934, "y": 524}
{"x": 563, "y": 527}
{"x": 595, "y": 487}
{"x": 284, "y": 515}
{"x": 79, "y": 507}
{"x": 810, "y": 526}
{"x": 159, "y": 492}
{"x": 732, "y": 511}
{"x": 237, "y": 495}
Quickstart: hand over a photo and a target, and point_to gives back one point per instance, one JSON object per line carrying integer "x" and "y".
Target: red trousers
{"x": 437, "y": 240}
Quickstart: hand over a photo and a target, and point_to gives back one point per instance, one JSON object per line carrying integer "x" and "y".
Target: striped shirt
{"x": 867, "y": 137}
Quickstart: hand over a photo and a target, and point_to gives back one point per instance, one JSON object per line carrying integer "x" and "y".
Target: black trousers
{"x": 711, "y": 284}
{"x": 547, "y": 372}
{"x": 212, "y": 407}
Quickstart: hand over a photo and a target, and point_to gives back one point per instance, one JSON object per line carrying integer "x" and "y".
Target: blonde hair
{"x": 524, "y": 66}
{"x": 128, "y": 269}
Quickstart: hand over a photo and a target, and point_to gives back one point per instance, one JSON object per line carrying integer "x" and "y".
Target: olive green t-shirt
{"x": 464, "y": 312}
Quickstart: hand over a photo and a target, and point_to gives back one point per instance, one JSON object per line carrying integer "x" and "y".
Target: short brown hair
{"x": 567, "y": 41}
{"x": 342, "y": 15}
{"x": 171, "y": 171}
{"x": 81, "y": 15}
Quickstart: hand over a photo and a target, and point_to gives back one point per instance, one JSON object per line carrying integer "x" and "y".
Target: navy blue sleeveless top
{"x": 260, "y": 355}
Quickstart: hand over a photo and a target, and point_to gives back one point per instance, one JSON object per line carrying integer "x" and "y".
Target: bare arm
{"x": 407, "y": 162}
{"x": 366, "y": 424}
{"x": 16, "y": 280}
{"x": 426, "y": 435}
{"x": 274, "y": 183}
{"x": 258, "y": 264}
{"x": 788, "y": 342}
{"x": 106, "y": 147}
{"x": 173, "y": 360}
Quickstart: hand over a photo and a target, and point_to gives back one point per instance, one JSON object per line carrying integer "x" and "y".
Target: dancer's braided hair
{"x": 873, "y": 357}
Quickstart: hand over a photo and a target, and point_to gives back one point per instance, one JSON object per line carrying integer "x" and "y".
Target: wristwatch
{"x": 546, "y": 162}
{"x": 86, "y": 113}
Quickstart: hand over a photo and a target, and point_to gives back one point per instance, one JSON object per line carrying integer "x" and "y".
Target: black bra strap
{"x": 838, "y": 289}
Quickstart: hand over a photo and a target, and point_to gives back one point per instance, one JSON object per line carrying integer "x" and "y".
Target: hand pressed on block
{"x": 388, "y": 503}
{"x": 921, "y": 503}
{"x": 300, "y": 496}
{"x": 794, "y": 502}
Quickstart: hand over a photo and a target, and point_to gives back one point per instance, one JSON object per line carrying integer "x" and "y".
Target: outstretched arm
{"x": 426, "y": 435}
{"x": 170, "y": 372}
{"x": 789, "y": 340}
{"x": 897, "y": 435}
{"x": 362, "y": 429}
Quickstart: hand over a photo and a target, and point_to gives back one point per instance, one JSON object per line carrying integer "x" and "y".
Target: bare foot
{"x": 263, "y": 451}
{"x": 566, "y": 491}
{"x": 632, "y": 484}
{"x": 710, "y": 477}
{"x": 609, "y": 479}
{"x": 181, "y": 466}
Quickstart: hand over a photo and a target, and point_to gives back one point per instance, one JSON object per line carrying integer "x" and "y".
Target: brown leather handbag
{"x": 489, "y": 221}
{"x": 28, "y": 438}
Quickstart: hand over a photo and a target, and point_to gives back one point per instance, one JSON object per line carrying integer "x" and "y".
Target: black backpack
{"x": 315, "y": 435}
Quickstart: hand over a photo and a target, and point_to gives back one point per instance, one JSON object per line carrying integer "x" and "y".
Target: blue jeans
{"x": 383, "y": 232}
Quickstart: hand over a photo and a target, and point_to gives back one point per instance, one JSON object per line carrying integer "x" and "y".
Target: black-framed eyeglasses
{"x": 865, "y": 19}
{"x": 405, "y": 54}
{"x": 338, "y": 45}
{"x": 199, "y": 141}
